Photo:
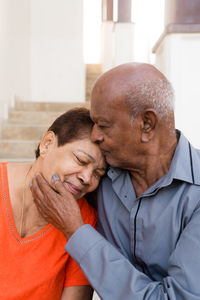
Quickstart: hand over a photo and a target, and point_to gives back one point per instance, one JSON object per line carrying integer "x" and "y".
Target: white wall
{"x": 41, "y": 51}
{"x": 148, "y": 17}
{"x": 107, "y": 45}
{"x": 14, "y": 50}
{"x": 117, "y": 44}
{"x": 178, "y": 58}
{"x": 92, "y": 30}
{"x": 57, "y": 66}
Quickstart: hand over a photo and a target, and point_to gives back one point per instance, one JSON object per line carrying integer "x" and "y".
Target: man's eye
{"x": 101, "y": 126}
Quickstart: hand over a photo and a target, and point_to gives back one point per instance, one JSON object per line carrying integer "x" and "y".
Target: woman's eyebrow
{"x": 87, "y": 154}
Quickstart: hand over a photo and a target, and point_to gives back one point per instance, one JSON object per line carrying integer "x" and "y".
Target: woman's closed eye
{"x": 81, "y": 161}
{"x": 97, "y": 173}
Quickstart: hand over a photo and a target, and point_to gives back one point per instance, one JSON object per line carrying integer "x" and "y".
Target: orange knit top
{"x": 35, "y": 267}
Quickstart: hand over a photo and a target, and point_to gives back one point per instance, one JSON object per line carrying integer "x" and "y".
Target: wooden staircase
{"x": 26, "y": 124}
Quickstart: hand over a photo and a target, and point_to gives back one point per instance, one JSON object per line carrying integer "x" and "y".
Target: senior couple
{"x": 147, "y": 242}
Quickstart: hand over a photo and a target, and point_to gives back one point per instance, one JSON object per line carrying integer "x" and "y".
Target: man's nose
{"x": 96, "y": 135}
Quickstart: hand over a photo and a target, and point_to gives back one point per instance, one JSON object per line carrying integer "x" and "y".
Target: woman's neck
{"x": 25, "y": 214}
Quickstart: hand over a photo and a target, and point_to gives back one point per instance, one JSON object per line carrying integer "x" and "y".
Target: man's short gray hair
{"x": 157, "y": 94}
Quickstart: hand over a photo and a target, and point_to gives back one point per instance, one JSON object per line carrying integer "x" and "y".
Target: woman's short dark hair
{"x": 72, "y": 125}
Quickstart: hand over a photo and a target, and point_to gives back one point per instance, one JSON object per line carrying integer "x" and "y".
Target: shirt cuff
{"x": 82, "y": 241}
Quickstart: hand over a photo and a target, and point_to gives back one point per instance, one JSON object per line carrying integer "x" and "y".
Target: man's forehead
{"x": 99, "y": 114}
{"x": 107, "y": 114}
{"x": 99, "y": 102}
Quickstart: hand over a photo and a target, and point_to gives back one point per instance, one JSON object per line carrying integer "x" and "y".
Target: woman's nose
{"x": 85, "y": 177}
{"x": 96, "y": 135}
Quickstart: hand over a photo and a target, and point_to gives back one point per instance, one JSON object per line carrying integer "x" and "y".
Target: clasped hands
{"x": 56, "y": 205}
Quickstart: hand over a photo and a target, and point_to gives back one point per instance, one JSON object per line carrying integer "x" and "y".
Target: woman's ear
{"x": 48, "y": 141}
{"x": 149, "y": 121}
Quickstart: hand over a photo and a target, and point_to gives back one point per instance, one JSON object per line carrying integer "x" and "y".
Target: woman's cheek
{"x": 94, "y": 184}
{"x": 69, "y": 166}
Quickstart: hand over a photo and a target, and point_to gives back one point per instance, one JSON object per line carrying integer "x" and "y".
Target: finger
{"x": 39, "y": 199}
{"x": 58, "y": 185}
{"x": 36, "y": 192}
{"x": 50, "y": 197}
{"x": 44, "y": 186}
{"x": 40, "y": 210}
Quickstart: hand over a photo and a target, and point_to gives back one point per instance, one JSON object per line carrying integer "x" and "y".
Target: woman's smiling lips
{"x": 72, "y": 188}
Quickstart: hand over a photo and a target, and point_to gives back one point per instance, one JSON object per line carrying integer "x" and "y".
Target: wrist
{"x": 68, "y": 233}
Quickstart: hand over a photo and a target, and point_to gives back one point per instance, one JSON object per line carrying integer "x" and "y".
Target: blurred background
{"x": 52, "y": 51}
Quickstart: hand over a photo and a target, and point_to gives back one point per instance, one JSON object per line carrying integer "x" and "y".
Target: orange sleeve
{"x": 74, "y": 275}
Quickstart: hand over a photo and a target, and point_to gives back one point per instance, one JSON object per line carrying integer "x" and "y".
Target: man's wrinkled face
{"x": 113, "y": 129}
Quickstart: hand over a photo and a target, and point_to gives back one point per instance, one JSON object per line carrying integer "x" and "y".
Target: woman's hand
{"x": 58, "y": 206}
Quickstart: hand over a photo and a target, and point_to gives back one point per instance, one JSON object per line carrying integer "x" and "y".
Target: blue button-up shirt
{"x": 151, "y": 249}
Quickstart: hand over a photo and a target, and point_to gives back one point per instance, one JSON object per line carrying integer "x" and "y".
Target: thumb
{"x": 58, "y": 185}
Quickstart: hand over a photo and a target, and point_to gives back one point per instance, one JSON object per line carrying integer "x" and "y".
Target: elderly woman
{"x": 34, "y": 264}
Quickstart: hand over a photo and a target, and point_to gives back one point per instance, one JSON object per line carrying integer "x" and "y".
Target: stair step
{"x": 25, "y": 126}
{"x": 48, "y": 106}
{"x": 32, "y": 117}
{"x": 17, "y": 150}
{"x": 28, "y": 121}
{"x": 22, "y": 132}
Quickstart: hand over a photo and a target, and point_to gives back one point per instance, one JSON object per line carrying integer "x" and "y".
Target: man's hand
{"x": 58, "y": 208}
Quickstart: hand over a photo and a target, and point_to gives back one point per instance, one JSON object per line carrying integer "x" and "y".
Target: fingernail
{"x": 30, "y": 184}
{"x": 55, "y": 177}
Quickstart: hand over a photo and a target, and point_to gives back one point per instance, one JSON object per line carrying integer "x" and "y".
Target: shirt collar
{"x": 113, "y": 173}
{"x": 185, "y": 164}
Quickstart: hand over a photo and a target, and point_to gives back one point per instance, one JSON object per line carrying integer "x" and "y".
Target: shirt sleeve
{"x": 114, "y": 277}
{"x": 74, "y": 275}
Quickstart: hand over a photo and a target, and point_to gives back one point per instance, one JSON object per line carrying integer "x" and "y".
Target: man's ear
{"x": 149, "y": 122}
{"x": 48, "y": 141}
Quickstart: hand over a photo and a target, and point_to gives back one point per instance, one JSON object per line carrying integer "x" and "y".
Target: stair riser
{"x": 25, "y": 126}
{"x": 20, "y": 150}
{"x": 48, "y": 106}
{"x": 35, "y": 118}
{"x": 23, "y": 132}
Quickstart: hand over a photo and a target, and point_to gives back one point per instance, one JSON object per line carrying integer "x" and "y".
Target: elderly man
{"x": 148, "y": 244}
